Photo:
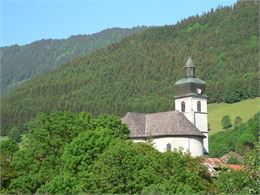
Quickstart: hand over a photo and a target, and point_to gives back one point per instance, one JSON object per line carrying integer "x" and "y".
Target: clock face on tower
{"x": 199, "y": 91}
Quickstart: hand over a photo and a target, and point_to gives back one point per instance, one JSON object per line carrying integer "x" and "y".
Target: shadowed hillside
{"x": 20, "y": 63}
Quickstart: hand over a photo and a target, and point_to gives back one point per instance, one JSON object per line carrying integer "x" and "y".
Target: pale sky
{"x": 24, "y": 21}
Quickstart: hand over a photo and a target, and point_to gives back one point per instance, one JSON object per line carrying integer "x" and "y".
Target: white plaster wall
{"x": 189, "y": 110}
{"x": 191, "y": 104}
{"x": 203, "y": 103}
{"x": 194, "y": 145}
{"x": 200, "y": 120}
{"x": 139, "y": 140}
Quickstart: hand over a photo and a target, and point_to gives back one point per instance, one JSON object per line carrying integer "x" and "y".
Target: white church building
{"x": 185, "y": 128}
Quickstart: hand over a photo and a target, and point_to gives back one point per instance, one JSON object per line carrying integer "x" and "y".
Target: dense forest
{"x": 20, "y": 63}
{"x": 138, "y": 73}
{"x": 66, "y": 153}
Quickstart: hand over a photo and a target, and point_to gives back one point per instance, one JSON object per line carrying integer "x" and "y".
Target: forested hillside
{"x": 138, "y": 73}
{"x": 20, "y": 63}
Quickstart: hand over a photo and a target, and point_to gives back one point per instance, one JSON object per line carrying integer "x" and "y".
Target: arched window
{"x": 183, "y": 106}
{"x": 169, "y": 147}
{"x": 198, "y": 106}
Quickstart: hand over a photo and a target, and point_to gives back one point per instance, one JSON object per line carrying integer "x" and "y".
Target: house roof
{"x": 232, "y": 154}
{"x": 136, "y": 123}
{"x": 218, "y": 162}
{"x": 235, "y": 167}
{"x": 214, "y": 164}
{"x": 172, "y": 123}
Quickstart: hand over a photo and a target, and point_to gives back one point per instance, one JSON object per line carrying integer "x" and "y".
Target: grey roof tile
{"x": 136, "y": 123}
{"x": 172, "y": 123}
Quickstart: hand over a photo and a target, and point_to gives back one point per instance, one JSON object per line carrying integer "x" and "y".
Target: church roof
{"x": 189, "y": 63}
{"x": 190, "y": 80}
{"x": 172, "y": 123}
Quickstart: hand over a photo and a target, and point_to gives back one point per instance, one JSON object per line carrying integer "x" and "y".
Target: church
{"x": 185, "y": 128}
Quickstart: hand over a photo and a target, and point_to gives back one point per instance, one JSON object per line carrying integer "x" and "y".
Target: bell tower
{"x": 190, "y": 99}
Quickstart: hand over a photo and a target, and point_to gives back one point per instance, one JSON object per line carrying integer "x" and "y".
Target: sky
{"x": 25, "y": 21}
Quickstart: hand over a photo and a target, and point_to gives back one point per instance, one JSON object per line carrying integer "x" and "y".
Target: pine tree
{"x": 226, "y": 122}
{"x": 238, "y": 121}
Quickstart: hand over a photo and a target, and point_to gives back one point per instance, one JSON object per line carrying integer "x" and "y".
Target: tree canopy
{"x": 67, "y": 153}
{"x": 226, "y": 122}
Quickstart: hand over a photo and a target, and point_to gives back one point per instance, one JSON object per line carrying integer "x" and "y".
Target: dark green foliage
{"x": 54, "y": 144}
{"x": 233, "y": 160}
{"x": 252, "y": 162}
{"x": 238, "y": 121}
{"x": 75, "y": 153}
{"x": 125, "y": 167}
{"x": 76, "y": 160}
{"x": 138, "y": 73}
{"x": 226, "y": 122}
{"x": 20, "y": 63}
{"x": 112, "y": 123}
{"x": 245, "y": 181}
{"x": 69, "y": 153}
{"x": 237, "y": 182}
{"x": 241, "y": 139}
{"x": 180, "y": 174}
{"x": 15, "y": 134}
{"x": 7, "y": 150}
{"x": 39, "y": 160}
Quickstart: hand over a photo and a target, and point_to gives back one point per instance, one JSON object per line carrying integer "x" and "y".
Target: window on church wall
{"x": 183, "y": 106}
{"x": 198, "y": 106}
{"x": 169, "y": 147}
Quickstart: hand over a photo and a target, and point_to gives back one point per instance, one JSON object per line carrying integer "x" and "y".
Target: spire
{"x": 190, "y": 68}
{"x": 189, "y": 63}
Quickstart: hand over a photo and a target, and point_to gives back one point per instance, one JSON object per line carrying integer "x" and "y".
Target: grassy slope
{"x": 245, "y": 109}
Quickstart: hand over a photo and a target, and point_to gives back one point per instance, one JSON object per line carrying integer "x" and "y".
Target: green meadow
{"x": 245, "y": 109}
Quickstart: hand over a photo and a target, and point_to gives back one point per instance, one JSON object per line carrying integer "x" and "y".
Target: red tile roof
{"x": 214, "y": 164}
{"x": 234, "y": 167}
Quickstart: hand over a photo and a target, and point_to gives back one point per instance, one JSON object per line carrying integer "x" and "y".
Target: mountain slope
{"x": 138, "y": 73}
{"x": 20, "y": 63}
